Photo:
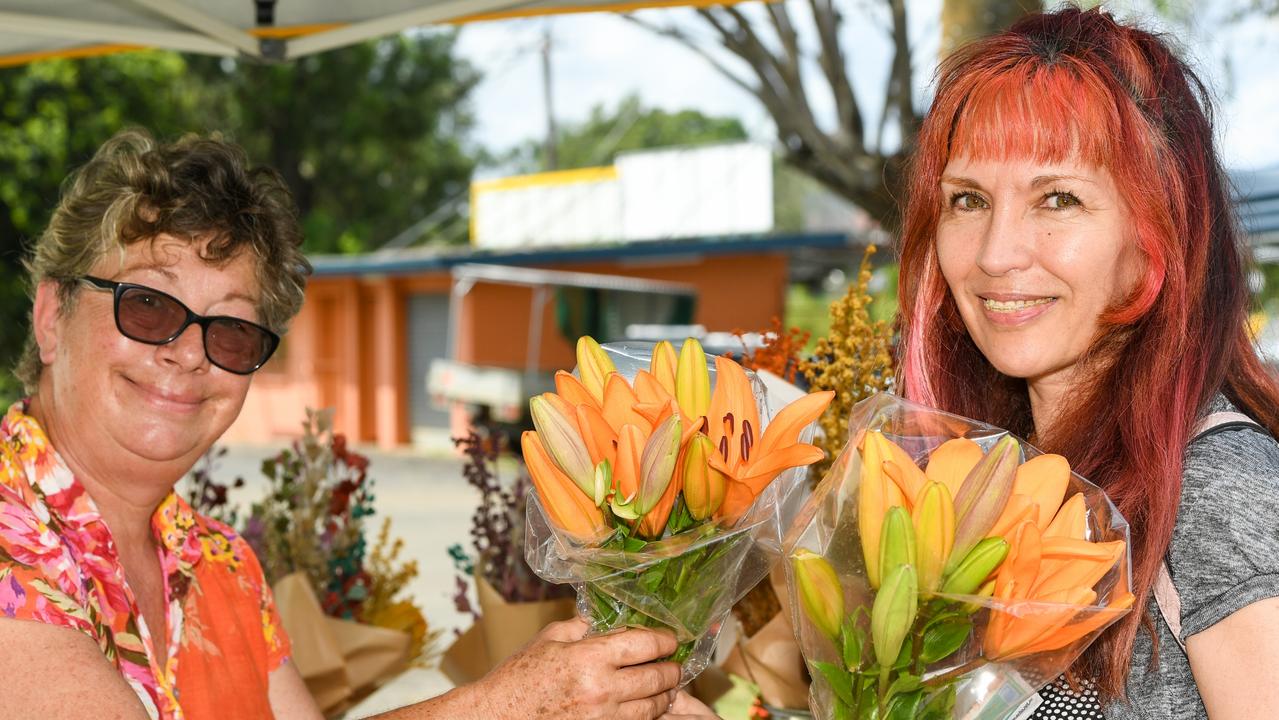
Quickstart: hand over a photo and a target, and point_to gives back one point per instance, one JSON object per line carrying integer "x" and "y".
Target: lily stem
{"x": 954, "y": 674}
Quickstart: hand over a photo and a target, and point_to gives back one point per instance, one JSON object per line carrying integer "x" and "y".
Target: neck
{"x": 1047, "y": 396}
{"x": 125, "y": 491}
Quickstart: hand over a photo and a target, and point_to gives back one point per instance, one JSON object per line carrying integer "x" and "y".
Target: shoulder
{"x": 1225, "y": 547}
{"x": 1231, "y": 468}
{"x": 40, "y": 578}
{"x": 222, "y": 546}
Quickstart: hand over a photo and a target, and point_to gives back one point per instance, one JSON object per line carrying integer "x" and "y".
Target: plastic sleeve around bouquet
{"x": 974, "y": 654}
{"x": 687, "y": 582}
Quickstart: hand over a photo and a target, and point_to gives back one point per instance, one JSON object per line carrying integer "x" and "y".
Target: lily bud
{"x": 984, "y": 495}
{"x": 560, "y": 437}
{"x": 893, "y": 613}
{"x": 594, "y": 365}
{"x": 663, "y": 365}
{"x": 897, "y": 544}
{"x": 820, "y": 593}
{"x": 876, "y": 493}
{"x": 568, "y": 508}
{"x": 692, "y": 380}
{"x": 704, "y": 486}
{"x": 980, "y": 563}
{"x": 657, "y": 464}
{"x": 934, "y": 519}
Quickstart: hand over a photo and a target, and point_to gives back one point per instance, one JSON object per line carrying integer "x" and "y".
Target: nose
{"x": 186, "y": 351}
{"x": 1007, "y": 243}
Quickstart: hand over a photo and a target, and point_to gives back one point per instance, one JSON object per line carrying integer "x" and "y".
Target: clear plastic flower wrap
{"x": 662, "y": 500}
{"x": 944, "y": 568}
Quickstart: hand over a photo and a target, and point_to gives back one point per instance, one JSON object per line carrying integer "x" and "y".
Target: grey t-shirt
{"x": 1223, "y": 557}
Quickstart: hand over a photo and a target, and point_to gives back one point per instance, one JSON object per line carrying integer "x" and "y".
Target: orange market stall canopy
{"x": 266, "y": 30}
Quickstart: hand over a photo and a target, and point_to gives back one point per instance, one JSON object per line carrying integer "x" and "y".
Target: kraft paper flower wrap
{"x": 945, "y": 569}
{"x": 662, "y": 500}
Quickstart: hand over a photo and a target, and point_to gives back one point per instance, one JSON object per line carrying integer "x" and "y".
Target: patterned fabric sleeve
{"x": 37, "y": 573}
{"x": 278, "y": 645}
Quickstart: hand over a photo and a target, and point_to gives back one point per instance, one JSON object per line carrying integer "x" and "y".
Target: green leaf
{"x": 940, "y": 705}
{"x": 903, "y": 684}
{"x": 843, "y": 711}
{"x": 838, "y": 679}
{"x": 852, "y": 640}
{"x": 904, "y": 706}
{"x": 943, "y": 639}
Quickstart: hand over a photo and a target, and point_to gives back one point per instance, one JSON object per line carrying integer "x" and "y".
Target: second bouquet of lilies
{"x": 943, "y": 569}
{"x": 661, "y": 483}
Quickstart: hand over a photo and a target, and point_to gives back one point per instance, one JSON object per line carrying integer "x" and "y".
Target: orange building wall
{"x": 347, "y": 348}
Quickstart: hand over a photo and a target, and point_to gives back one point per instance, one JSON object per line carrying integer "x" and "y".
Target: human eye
{"x": 1061, "y": 200}
{"x": 967, "y": 201}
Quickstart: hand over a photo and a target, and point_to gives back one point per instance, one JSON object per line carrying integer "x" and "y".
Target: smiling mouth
{"x": 1011, "y": 306}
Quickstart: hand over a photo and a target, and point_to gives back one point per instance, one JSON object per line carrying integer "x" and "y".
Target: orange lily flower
{"x": 1046, "y": 589}
{"x": 569, "y": 508}
{"x": 748, "y": 459}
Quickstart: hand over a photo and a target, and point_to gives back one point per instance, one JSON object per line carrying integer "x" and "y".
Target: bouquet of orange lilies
{"x": 944, "y": 569}
{"x": 659, "y": 497}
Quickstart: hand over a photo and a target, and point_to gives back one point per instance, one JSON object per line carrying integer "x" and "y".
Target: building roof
{"x": 411, "y": 261}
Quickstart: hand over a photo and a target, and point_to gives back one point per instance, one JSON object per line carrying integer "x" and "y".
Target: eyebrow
{"x": 1051, "y": 179}
{"x": 171, "y": 276}
{"x": 961, "y": 181}
{"x": 1038, "y": 181}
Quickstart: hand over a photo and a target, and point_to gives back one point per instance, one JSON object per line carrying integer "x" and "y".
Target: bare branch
{"x": 832, "y": 61}
{"x": 907, "y": 122}
{"x": 674, "y": 33}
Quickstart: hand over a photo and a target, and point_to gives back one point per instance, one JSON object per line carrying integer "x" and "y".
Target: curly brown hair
{"x": 136, "y": 188}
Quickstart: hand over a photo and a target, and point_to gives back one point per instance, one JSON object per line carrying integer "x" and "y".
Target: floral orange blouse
{"x": 58, "y": 565}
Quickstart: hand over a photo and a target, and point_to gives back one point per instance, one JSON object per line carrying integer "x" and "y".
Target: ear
{"x": 44, "y": 319}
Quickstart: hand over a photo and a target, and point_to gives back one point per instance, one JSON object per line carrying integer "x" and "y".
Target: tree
{"x": 630, "y": 126}
{"x": 862, "y": 164}
{"x": 53, "y": 115}
{"x": 370, "y": 138}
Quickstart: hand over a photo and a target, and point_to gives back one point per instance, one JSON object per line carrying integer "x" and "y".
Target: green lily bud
{"x": 692, "y": 381}
{"x": 893, "y": 612}
{"x": 594, "y": 366}
{"x": 896, "y": 541}
{"x": 934, "y": 519}
{"x": 657, "y": 463}
{"x": 984, "y": 494}
{"x": 820, "y": 593}
{"x": 976, "y": 566}
{"x": 704, "y": 486}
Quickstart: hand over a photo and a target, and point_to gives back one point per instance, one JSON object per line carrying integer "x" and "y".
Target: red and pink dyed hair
{"x": 1076, "y": 85}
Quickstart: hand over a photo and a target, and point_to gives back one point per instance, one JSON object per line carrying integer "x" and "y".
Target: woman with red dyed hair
{"x": 1071, "y": 270}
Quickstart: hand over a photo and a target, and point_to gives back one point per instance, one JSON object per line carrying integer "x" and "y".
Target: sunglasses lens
{"x": 149, "y": 316}
{"x": 237, "y": 346}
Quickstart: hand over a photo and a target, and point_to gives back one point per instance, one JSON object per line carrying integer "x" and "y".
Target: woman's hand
{"x": 563, "y": 674}
{"x": 688, "y": 708}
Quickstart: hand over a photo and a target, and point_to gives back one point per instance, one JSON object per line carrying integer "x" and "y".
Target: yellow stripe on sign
{"x": 557, "y": 177}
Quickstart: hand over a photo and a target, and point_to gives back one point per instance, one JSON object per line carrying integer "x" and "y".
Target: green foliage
{"x": 370, "y": 138}
{"x": 630, "y": 126}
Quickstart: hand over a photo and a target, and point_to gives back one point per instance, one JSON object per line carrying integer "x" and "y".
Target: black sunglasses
{"x": 155, "y": 318}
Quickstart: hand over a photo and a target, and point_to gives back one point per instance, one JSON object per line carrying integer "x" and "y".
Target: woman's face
{"x": 159, "y": 403}
{"x": 1033, "y": 255}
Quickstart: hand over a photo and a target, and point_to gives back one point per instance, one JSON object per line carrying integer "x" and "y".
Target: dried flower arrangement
{"x": 312, "y": 520}
{"x": 855, "y": 359}
{"x": 497, "y": 526}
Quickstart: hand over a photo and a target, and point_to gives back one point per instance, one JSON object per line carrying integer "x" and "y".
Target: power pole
{"x": 550, "y": 161}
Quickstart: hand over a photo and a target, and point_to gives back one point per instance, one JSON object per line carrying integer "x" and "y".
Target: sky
{"x": 601, "y": 58}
